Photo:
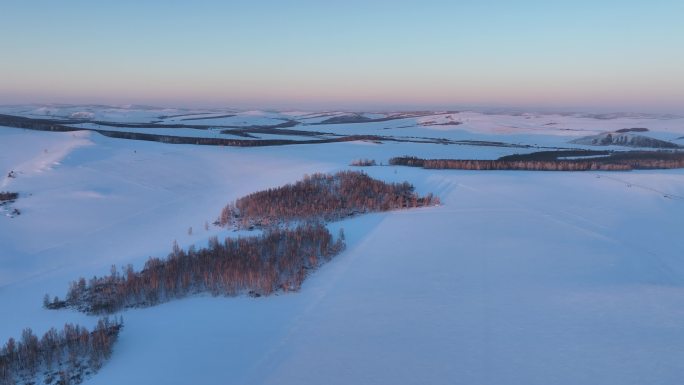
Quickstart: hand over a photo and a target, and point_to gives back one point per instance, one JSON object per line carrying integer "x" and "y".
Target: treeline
{"x": 530, "y": 165}
{"x": 276, "y": 260}
{"x": 205, "y": 141}
{"x": 645, "y": 160}
{"x": 8, "y": 196}
{"x": 558, "y": 155}
{"x": 64, "y": 356}
{"x": 37, "y": 124}
{"x": 321, "y": 196}
{"x": 613, "y": 162}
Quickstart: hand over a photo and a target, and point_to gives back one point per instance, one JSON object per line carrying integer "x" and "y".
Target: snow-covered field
{"x": 517, "y": 278}
{"x": 542, "y": 129}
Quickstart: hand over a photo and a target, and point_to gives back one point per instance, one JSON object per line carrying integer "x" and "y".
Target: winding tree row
{"x": 259, "y": 265}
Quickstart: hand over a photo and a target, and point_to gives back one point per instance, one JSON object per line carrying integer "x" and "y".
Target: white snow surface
{"x": 504, "y": 126}
{"x": 517, "y": 278}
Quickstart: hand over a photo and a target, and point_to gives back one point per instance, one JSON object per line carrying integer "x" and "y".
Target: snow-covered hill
{"x": 518, "y": 278}
{"x": 544, "y": 129}
{"x": 626, "y": 139}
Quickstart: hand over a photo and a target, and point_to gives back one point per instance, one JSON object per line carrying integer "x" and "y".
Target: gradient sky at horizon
{"x": 602, "y": 54}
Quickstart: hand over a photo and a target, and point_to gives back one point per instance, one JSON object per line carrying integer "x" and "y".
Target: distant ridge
{"x": 624, "y": 138}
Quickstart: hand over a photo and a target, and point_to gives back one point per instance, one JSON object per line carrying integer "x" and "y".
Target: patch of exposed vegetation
{"x": 352, "y": 118}
{"x": 363, "y": 163}
{"x": 6, "y": 199}
{"x": 6, "y": 196}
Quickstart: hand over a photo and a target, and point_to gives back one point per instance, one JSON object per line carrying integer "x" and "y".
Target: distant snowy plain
{"x": 517, "y": 278}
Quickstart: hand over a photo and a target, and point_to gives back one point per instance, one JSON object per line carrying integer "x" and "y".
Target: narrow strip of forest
{"x": 278, "y": 260}
{"x": 556, "y": 161}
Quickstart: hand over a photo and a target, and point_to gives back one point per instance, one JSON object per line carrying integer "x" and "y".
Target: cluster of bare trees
{"x": 614, "y": 162}
{"x": 260, "y": 265}
{"x": 321, "y": 196}
{"x": 8, "y": 196}
{"x": 363, "y": 163}
{"x": 65, "y": 355}
{"x": 294, "y": 242}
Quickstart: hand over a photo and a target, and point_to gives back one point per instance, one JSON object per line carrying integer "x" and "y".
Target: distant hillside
{"x": 622, "y": 138}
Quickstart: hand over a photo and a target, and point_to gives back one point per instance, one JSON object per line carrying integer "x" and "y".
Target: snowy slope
{"x": 110, "y": 202}
{"x": 518, "y": 278}
{"x": 493, "y": 287}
